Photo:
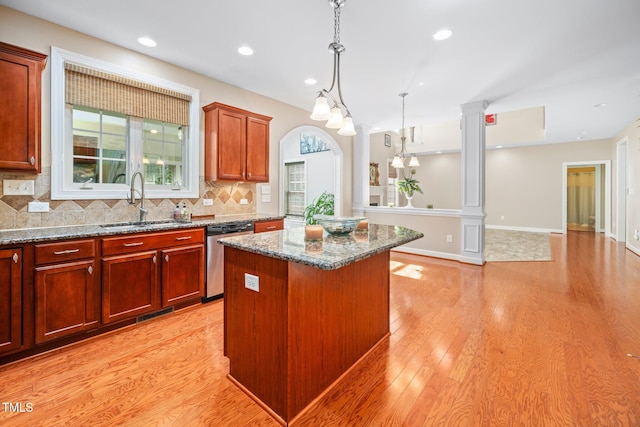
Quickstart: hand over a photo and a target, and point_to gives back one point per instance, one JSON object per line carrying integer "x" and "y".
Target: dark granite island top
{"x": 331, "y": 253}
{"x": 298, "y": 314}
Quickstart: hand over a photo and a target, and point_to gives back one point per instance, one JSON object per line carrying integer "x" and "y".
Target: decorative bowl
{"x": 338, "y": 225}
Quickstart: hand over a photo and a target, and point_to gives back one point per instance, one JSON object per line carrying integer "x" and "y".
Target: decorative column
{"x": 473, "y": 182}
{"x": 360, "y": 173}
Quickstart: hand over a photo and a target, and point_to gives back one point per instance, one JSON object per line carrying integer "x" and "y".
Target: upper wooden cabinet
{"x": 236, "y": 144}
{"x": 20, "y": 107}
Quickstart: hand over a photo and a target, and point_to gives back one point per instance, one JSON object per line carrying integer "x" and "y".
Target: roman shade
{"x": 96, "y": 89}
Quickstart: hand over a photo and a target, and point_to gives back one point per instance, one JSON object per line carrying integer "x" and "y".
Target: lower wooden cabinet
{"x": 66, "y": 300}
{"x": 270, "y": 225}
{"x": 129, "y": 285}
{"x": 10, "y": 299}
{"x": 145, "y": 272}
{"x": 182, "y": 274}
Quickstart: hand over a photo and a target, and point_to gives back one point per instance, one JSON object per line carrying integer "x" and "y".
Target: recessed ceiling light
{"x": 498, "y": 146}
{"x": 438, "y": 152}
{"x": 376, "y": 128}
{"x": 147, "y": 41}
{"x": 442, "y": 34}
{"x": 604, "y": 104}
{"x": 245, "y": 50}
{"x": 310, "y": 81}
{"x": 153, "y": 131}
{"x": 580, "y": 137}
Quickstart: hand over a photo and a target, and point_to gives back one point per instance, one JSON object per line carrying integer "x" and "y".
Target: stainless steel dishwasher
{"x": 215, "y": 255}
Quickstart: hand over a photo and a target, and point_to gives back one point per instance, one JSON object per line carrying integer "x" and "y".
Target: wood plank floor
{"x": 510, "y": 343}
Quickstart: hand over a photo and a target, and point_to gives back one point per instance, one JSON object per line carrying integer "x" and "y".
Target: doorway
{"x": 581, "y": 198}
{"x": 598, "y": 217}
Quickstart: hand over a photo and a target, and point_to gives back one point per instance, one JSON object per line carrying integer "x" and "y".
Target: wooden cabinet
{"x": 10, "y": 299}
{"x": 236, "y": 144}
{"x": 143, "y": 272}
{"x": 271, "y": 225}
{"x": 20, "y": 107}
{"x": 66, "y": 289}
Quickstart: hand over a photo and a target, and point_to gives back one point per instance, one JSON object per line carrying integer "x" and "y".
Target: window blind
{"x": 96, "y": 89}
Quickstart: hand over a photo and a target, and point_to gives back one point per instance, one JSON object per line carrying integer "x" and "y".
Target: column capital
{"x": 474, "y": 107}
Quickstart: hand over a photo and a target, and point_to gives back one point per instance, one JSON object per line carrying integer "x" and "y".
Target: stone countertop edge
{"x": 46, "y": 234}
{"x": 331, "y": 253}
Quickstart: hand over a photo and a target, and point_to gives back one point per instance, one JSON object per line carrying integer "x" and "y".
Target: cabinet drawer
{"x": 64, "y": 251}
{"x": 144, "y": 242}
{"x": 262, "y": 226}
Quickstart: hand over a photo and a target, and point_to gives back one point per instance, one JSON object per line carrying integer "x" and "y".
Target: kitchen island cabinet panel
{"x": 182, "y": 274}
{"x": 66, "y": 300}
{"x": 304, "y": 328}
{"x": 10, "y": 299}
{"x": 129, "y": 286}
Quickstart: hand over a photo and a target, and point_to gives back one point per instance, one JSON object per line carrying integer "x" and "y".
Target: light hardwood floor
{"x": 511, "y": 343}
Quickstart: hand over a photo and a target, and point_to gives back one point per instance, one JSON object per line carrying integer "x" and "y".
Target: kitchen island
{"x": 298, "y": 315}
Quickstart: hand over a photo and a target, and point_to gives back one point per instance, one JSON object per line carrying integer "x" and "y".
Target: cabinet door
{"x": 129, "y": 286}
{"x": 66, "y": 299}
{"x": 20, "y": 107}
{"x": 10, "y": 299}
{"x": 257, "y": 150}
{"x": 182, "y": 274}
{"x": 232, "y": 150}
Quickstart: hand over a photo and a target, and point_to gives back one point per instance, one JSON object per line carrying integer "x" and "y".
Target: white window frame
{"x": 287, "y": 182}
{"x": 62, "y": 185}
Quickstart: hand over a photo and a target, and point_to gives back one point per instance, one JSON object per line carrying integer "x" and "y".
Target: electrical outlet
{"x": 207, "y": 202}
{"x": 266, "y": 198}
{"x": 18, "y": 187}
{"x": 501, "y": 217}
{"x": 252, "y": 282}
{"x": 38, "y": 207}
{"x": 449, "y": 238}
{"x": 244, "y": 201}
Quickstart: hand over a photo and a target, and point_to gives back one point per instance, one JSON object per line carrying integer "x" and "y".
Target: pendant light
{"x": 338, "y": 115}
{"x": 398, "y": 159}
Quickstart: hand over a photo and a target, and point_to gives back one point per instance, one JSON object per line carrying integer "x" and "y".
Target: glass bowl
{"x": 338, "y": 225}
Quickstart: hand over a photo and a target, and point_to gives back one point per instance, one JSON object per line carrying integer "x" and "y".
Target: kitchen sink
{"x": 134, "y": 224}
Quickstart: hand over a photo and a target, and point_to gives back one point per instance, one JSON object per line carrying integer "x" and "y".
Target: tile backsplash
{"x": 13, "y": 209}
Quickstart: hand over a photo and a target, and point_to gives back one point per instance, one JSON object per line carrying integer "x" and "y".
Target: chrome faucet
{"x": 132, "y": 195}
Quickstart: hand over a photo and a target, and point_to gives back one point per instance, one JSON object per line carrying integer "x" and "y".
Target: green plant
{"x": 409, "y": 185}
{"x": 322, "y": 205}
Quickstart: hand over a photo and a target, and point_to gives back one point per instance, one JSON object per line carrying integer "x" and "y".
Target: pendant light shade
{"x": 336, "y": 121}
{"x": 397, "y": 162}
{"x": 347, "y": 129}
{"x": 321, "y": 111}
{"x": 413, "y": 161}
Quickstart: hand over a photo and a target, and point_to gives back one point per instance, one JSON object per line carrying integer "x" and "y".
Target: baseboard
{"x": 633, "y": 249}
{"x": 529, "y": 229}
{"x": 424, "y": 252}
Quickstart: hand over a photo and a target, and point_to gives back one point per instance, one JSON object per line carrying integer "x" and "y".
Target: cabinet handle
{"x": 184, "y": 238}
{"x": 32, "y": 160}
{"x": 271, "y": 227}
{"x": 90, "y": 270}
{"x": 15, "y": 258}
{"x": 67, "y": 251}
{"x": 166, "y": 258}
{"x": 129, "y": 245}
{"x": 155, "y": 259}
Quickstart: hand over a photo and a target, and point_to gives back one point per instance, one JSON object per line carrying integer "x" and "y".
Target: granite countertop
{"x": 44, "y": 234}
{"x": 331, "y": 253}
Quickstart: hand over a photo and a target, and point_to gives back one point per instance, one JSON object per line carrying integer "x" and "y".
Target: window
{"x": 294, "y": 189}
{"x": 108, "y": 123}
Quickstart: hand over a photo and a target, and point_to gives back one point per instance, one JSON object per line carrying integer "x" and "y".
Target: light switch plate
{"x": 207, "y": 202}
{"x": 18, "y": 187}
{"x": 266, "y": 198}
{"x": 266, "y": 189}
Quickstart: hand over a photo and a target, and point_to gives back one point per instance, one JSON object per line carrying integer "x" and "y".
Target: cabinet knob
{"x": 32, "y": 160}
{"x": 166, "y": 258}
{"x": 155, "y": 259}
{"x": 15, "y": 258}
{"x": 90, "y": 270}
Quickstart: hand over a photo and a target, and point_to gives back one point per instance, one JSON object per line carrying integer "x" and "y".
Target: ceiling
{"x": 567, "y": 56}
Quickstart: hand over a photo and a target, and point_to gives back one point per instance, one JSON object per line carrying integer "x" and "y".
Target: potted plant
{"x": 409, "y": 186}
{"x": 322, "y": 205}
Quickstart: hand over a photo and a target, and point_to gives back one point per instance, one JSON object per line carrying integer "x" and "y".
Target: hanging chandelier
{"x": 398, "y": 159}
{"x": 337, "y": 116}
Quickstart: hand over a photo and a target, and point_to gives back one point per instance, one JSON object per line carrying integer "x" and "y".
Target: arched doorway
{"x": 311, "y": 162}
